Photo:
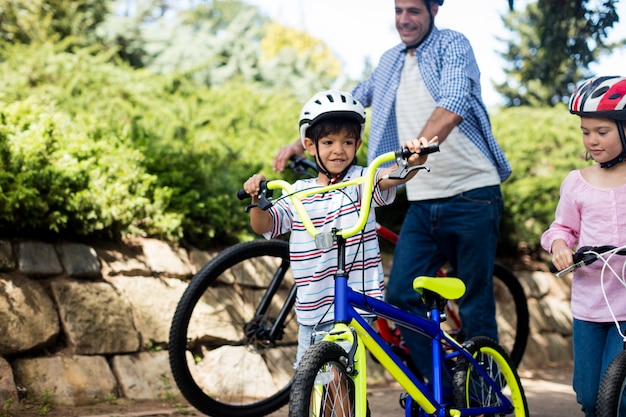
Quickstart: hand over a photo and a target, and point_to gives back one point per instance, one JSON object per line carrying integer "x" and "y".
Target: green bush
{"x": 542, "y": 145}
{"x": 156, "y": 155}
{"x": 60, "y": 177}
{"x": 95, "y": 149}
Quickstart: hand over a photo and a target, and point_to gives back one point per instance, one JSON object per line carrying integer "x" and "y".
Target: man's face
{"x": 413, "y": 20}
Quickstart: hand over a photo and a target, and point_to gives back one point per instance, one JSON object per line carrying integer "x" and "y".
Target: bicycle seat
{"x": 447, "y": 287}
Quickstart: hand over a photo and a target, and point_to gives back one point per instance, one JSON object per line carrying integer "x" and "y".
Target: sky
{"x": 359, "y": 29}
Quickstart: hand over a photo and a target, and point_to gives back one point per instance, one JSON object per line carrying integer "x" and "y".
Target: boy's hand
{"x": 253, "y": 186}
{"x": 414, "y": 145}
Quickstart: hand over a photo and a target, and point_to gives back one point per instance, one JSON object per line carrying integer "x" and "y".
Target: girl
{"x": 592, "y": 212}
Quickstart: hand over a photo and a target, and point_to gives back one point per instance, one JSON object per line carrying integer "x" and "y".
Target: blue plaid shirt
{"x": 450, "y": 72}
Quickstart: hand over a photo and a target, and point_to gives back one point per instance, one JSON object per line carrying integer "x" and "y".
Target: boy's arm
{"x": 413, "y": 145}
{"x": 260, "y": 220}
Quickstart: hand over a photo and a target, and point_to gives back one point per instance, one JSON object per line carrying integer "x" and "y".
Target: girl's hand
{"x": 562, "y": 256}
{"x": 414, "y": 145}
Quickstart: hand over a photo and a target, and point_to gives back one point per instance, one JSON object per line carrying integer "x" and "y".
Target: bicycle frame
{"x": 350, "y": 326}
{"x": 348, "y": 300}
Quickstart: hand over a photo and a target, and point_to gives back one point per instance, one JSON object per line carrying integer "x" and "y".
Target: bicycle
{"x": 332, "y": 381}
{"x": 611, "y": 398}
{"x": 511, "y": 303}
{"x": 266, "y": 331}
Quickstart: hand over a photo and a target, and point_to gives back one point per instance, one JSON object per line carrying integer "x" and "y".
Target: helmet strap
{"x": 622, "y": 156}
{"x": 331, "y": 179}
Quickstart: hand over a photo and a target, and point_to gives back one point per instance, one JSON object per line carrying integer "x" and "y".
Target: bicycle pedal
{"x": 402, "y": 399}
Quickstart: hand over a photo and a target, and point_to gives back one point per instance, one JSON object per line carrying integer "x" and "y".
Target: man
{"x": 429, "y": 85}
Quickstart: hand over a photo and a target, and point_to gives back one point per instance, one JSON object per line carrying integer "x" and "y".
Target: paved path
{"x": 548, "y": 392}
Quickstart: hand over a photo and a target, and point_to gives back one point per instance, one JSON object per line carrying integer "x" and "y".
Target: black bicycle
{"x": 233, "y": 338}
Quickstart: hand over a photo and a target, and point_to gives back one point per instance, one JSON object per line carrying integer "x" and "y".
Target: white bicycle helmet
{"x": 603, "y": 97}
{"x": 600, "y": 97}
{"x": 330, "y": 103}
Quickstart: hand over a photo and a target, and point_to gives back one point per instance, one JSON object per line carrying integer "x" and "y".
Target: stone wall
{"x": 89, "y": 323}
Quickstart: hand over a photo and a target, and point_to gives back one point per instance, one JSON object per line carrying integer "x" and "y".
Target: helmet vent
{"x": 599, "y": 92}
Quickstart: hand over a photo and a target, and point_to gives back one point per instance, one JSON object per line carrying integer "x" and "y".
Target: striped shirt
{"x": 449, "y": 70}
{"x": 313, "y": 268}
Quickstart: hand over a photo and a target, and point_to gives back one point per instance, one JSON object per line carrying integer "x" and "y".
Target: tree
{"x": 217, "y": 41}
{"x": 554, "y": 43}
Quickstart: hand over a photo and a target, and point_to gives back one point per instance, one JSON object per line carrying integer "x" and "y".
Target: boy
{"x": 331, "y": 126}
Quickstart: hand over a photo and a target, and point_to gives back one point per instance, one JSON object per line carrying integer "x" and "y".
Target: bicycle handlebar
{"x": 585, "y": 255}
{"x": 400, "y": 155}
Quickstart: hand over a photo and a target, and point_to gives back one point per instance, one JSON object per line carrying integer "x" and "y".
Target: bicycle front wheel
{"x": 472, "y": 390}
{"x": 611, "y": 399}
{"x": 231, "y": 349}
{"x": 322, "y": 386}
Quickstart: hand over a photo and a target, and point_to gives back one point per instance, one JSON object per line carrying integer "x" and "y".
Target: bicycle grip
{"x": 424, "y": 150}
{"x": 242, "y": 194}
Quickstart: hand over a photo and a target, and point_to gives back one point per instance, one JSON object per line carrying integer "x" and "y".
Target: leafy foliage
{"x": 220, "y": 41}
{"x": 552, "y": 44}
{"x": 542, "y": 145}
{"x": 150, "y": 154}
{"x": 26, "y": 21}
{"x": 60, "y": 177}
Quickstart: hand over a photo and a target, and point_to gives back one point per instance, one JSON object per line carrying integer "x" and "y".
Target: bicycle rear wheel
{"x": 611, "y": 399}
{"x": 322, "y": 386}
{"x": 471, "y": 389}
{"x": 223, "y": 355}
{"x": 511, "y": 313}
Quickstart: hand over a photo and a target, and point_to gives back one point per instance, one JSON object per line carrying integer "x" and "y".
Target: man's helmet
{"x": 331, "y": 103}
{"x": 600, "y": 97}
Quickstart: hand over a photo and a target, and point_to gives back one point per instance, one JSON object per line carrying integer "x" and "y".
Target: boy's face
{"x": 601, "y": 138}
{"x": 336, "y": 151}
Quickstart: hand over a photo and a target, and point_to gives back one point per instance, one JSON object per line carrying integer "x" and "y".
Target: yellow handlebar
{"x": 367, "y": 180}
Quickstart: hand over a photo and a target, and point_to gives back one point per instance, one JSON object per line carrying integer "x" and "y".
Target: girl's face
{"x": 601, "y": 138}
{"x": 336, "y": 151}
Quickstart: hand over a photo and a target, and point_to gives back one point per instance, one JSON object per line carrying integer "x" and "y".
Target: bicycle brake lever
{"x": 570, "y": 268}
{"x": 403, "y": 170}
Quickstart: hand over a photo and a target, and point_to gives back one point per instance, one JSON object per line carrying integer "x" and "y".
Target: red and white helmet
{"x": 330, "y": 103}
{"x": 600, "y": 97}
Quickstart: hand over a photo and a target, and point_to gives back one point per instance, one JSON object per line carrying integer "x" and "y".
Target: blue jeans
{"x": 595, "y": 345}
{"x": 462, "y": 230}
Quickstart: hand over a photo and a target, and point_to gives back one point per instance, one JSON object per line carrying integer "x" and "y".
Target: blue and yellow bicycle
{"x": 331, "y": 377}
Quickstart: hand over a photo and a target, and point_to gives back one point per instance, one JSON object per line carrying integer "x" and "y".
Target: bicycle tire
{"x": 217, "y": 368}
{"x": 513, "y": 337}
{"x": 611, "y": 400}
{"x": 321, "y": 385}
{"x": 469, "y": 386}
{"x": 511, "y": 313}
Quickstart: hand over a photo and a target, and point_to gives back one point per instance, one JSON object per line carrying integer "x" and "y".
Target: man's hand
{"x": 286, "y": 152}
